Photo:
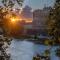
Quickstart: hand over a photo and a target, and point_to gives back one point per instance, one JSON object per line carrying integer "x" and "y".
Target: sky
{"x": 38, "y": 4}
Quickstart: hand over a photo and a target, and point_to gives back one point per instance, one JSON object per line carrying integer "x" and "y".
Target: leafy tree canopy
{"x": 5, "y": 9}
{"x": 54, "y": 21}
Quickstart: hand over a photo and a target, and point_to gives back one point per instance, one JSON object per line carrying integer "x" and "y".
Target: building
{"x": 39, "y": 19}
{"x": 26, "y": 12}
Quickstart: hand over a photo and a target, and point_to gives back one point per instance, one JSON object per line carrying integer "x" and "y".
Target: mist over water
{"x": 22, "y": 50}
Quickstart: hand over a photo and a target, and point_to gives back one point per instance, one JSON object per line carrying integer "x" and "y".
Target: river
{"x": 24, "y": 50}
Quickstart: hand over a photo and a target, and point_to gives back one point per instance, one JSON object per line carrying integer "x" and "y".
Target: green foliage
{"x": 6, "y": 9}
{"x": 46, "y": 42}
{"x": 47, "y": 52}
{"x": 58, "y": 52}
{"x": 11, "y": 3}
{"x": 57, "y": 0}
{"x": 54, "y": 21}
{"x": 19, "y": 2}
{"x": 3, "y": 47}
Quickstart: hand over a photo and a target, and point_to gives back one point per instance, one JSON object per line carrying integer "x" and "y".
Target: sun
{"x": 13, "y": 20}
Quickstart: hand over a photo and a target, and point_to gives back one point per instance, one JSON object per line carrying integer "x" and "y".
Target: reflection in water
{"x": 22, "y": 50}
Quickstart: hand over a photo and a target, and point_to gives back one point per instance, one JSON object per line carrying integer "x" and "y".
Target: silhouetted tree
{"x": 4, "y": 10}
{"x": 54, "y": 22}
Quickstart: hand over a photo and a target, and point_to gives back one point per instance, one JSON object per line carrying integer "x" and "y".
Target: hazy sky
{"x": 35, "y": 4}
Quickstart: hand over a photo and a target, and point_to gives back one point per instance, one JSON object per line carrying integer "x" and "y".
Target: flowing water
{"x": 24, "y": 50}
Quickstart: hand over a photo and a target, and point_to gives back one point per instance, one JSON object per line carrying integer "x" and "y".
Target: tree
{"x": 54, "y": 22}
{"x": 4, "y": 10}
{"x": 10, "y": 3}
{"x": 47, "y": 54}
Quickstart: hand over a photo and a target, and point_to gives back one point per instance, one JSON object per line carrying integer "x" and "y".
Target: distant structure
{"x": 39, "y": 19}
{"x": 32, "y": 22}
{"x": 27, "y": 12}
